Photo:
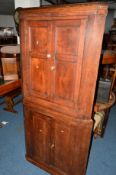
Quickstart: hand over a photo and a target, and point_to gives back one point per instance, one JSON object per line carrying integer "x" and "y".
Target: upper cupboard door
{"x": 69, "y": 44}
{"x": 40, "y": 38}
{"x": 40, "y": 58}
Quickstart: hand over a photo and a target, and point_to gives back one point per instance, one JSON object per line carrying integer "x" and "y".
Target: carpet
{"x": 102, "y": 159}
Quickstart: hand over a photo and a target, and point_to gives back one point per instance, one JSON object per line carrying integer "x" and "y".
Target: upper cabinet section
{"x": 64, "y": 11}
{"x": 61, "y": 51}
{"x": 55, "y": 50}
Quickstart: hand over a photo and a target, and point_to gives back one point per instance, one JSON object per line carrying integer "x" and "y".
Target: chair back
{"x": 109, "y": 59}
{"x": 10, "y": 58}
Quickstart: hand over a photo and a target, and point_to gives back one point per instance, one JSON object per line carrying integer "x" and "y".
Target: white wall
{"x": 27, "y": 3}
{"x": 7, "y": 21}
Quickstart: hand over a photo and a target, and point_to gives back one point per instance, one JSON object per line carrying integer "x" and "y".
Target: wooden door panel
{"x": 64, "y": 81}
{"x": 40, "y": 76}
{"x": 69, "y": 43}
{"x": 38, "y": 131}
{"x": 67, "y": 39}
{"x": 39, "y": 37}
{"x": 71, "y": 148}
{"x": 61, "y": 150}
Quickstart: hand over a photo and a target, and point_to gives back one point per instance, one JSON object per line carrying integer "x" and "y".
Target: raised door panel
{"x": 38, "y": 74}
{"x": 61, "y": 150}
{"x": 37, "y": 129}
{"x": 64, "y": 82}
{"x": 69, "y": 45}
{"x": 71, "y": 144}
{"x": 39, "y": 35}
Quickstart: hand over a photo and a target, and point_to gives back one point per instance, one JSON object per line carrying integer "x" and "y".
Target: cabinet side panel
{"x": 90, "y": 65}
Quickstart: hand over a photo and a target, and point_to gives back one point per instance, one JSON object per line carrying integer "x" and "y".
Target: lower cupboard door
{"x": 37, "y": 130}
{"x": 71, "y": 146}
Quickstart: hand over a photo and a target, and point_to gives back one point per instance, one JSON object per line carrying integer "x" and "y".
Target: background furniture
{"x": 112, "y": 36}
{"x": 8, "y": 88}
{"x": 7, "y": 36}
{"x": 101, "y": 115}
{"x": 8, "y": 40}
{"x": 59, "y": 67}
{"x": 109, "y": 64}
{"x": 10, "y": 58}
{"x": 102, "y": 109}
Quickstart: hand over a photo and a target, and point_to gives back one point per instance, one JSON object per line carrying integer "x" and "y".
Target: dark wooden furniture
{"x": 112, "y": 36}
{"x": 60, "y": 56}
{"x": 102, "y": 110}
{"x": 10, "y": 59}
{"x": 103, "y": 106}
{"x": 8, "y": 40}
{"x": 10, "y": 73}
{"x": 8, "y": 86}
{"x": 108, "y": 59}
{"x": 10, "y": 89}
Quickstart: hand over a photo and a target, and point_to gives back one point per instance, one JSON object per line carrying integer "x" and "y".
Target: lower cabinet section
{"x": 58, "y": 146}
{"x": 38, "y": 136}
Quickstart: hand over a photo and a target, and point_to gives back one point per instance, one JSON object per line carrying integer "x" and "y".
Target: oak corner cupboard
{"x": 60, "y": 48}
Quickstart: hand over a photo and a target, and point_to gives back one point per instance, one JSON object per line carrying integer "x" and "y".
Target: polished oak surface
{"x": 8, "y": 86}
{"x": 59, "y": 71}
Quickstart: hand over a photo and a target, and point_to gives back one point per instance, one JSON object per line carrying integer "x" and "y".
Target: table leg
{"x": 10, "y": 100}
